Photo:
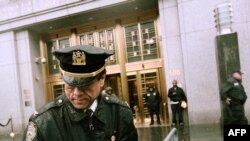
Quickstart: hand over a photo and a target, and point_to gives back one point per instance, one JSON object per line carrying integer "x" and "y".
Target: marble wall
{"x": 190, "y": 48}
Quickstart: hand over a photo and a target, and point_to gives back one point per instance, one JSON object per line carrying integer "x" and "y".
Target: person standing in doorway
{"x": 153, "y": 100}
{"x": 176, "y": 96}
{"x": 109, "y": 91}
{"x": 233, "y": 97}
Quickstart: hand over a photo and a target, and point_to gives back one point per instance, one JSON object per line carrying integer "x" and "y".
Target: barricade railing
{"x": 172, "y": 136}
{"x": 12, "y": 134}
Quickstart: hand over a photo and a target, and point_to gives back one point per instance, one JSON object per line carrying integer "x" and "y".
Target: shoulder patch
{"x": 236, "y": 84}
{"x": 59, "y": 101}
{"x": 31, "y": 131}
{"x": 115, "y": 100}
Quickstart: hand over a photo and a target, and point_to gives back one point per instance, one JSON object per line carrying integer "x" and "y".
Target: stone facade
{"x": 188, "y": 38}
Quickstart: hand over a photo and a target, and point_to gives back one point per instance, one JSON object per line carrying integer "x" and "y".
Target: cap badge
{"x": 78, "y": 58}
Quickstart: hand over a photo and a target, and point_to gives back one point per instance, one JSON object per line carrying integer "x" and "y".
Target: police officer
{"x": 82, "y": 113}
{"x": 153, "y": 100}
{"x": 234, "y": 97}
{"x": 176, "y": 95}
{"x": 109, "y": 90}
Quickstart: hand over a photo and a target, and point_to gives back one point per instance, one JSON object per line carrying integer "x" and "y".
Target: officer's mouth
{"x": 80, "y": 101}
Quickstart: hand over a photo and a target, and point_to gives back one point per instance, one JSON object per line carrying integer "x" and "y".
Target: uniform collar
{"x": 233, "y": 80}
{"x": 100, "y": 110}
{"x": 75, "y": 114}
{"x": 93, "y": 106}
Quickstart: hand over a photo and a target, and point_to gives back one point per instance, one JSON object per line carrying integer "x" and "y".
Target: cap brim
{"x": 239, "y": 72}
{"x": 77, "y": 82}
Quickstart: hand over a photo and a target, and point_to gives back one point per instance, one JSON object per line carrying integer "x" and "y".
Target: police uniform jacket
{"x": 153, "y": 100}
{"x": 234, "y": 90}
{"x": 60, "y": 121}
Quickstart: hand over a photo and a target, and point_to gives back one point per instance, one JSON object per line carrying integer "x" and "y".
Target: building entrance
{"x": 138, "y": 82}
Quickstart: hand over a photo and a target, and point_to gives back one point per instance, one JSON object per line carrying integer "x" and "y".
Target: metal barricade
{"x": 172, "y": 136}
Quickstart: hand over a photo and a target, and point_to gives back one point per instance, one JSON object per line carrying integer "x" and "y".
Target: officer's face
{"x": 237, "y": 76}
{"x": 109, "y": 92}
{"x": 82, "y": 97}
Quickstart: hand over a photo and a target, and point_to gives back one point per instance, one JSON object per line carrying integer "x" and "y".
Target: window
{"x": 52, "y": 61}
{"x": 103, "y": 39}
{"x": 141, "y": 42}
{"x": 150, "y": 50}
{"x": 133, "y": 43}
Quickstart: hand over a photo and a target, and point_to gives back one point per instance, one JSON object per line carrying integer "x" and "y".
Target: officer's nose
{"x": 77, "y": 91}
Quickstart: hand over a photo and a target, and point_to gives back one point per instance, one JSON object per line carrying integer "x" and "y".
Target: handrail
{"x": 12, "y": 134}
{"x": 170, "y": 135}
{"x": 3, "y": 125}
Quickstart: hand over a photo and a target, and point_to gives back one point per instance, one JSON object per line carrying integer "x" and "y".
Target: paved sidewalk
{"x": 8, "y": 138}
{"x": 159, "y": 132}
{"x": 185, "y": 133}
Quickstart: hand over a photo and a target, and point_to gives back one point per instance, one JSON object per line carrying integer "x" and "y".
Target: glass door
{"x": 114, "y": 81}
{"x": 138, "y": 82}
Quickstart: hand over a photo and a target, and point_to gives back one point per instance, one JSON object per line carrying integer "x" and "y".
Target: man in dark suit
{"x": 176, "y": 96}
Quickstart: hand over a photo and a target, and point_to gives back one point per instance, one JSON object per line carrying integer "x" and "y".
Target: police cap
{"x": 81, "y": 64}
{"x": 237, "y": 71}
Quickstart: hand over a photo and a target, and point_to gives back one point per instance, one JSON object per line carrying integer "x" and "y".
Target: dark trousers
{"x": 152, "y": 116}
{"x": 234, "y": 117}
{"x": 176, "y": 112}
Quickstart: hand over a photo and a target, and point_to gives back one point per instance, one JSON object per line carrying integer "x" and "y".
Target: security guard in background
{"x": 153, "y": 101}
{"x": 109, "y": 91}
{"x": 82, "y": 113}
{"x": 234, "y": 97}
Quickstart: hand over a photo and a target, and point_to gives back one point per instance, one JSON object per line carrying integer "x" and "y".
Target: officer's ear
{"x": 102, "y": 79}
